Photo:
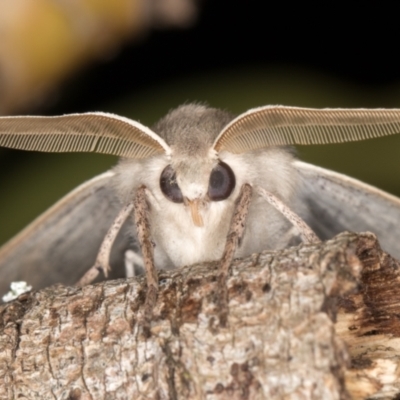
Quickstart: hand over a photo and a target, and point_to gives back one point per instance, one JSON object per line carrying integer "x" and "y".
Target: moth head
{"x": 195, "y": 175}
{"x": 208, "y": 185}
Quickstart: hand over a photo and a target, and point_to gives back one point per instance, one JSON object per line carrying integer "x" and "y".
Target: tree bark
{"x": 309, "y": 322}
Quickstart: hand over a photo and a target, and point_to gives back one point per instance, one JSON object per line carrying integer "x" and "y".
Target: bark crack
{"x": 84, "y": 360}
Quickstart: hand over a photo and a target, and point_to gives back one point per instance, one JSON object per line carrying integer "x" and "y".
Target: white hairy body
{"x": 178, "y": 241}
{"x": 194, "y": 142}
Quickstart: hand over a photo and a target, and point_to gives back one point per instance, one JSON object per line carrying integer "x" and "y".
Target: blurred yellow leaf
{"x": 42, "y": 41}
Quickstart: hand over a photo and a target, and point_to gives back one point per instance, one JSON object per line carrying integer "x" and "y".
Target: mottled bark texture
{"x": 280, "y": 341}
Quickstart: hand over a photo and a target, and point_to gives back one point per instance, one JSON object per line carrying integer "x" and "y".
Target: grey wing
{"x": 335, "y": 203}
{"x": 61, "y": 244}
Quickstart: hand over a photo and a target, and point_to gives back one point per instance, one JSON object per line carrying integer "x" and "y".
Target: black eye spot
{"x": 169, "y": 186}
{"x": 222, "y": 182}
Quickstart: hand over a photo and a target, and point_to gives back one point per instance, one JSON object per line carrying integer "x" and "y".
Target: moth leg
{"x": 130, "y": 260}
{"x": 306, "y": 232}
{"x": 141, "y": 214}
{"x": 233, "y": 239}
{"x": 102, "y": 260}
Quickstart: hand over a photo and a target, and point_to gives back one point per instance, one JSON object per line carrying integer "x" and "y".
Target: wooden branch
{"x": 280, "y": 340}
{"x": 368, "y": 321}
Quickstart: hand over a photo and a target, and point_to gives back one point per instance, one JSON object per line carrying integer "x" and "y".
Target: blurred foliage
{"x": 44, "y": 41}
{"x": 36, "y": 181}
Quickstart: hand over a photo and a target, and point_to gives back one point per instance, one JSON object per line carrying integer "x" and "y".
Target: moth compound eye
{"x": 169, "y": 186}
{"x": 222, "y": 182}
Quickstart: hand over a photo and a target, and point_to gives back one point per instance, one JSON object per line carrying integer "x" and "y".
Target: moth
{"x": 191, "y": 171}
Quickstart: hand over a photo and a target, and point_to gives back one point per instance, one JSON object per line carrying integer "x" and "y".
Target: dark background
{"x": 238, "y": 55}
{"x": 356, "y": 48}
